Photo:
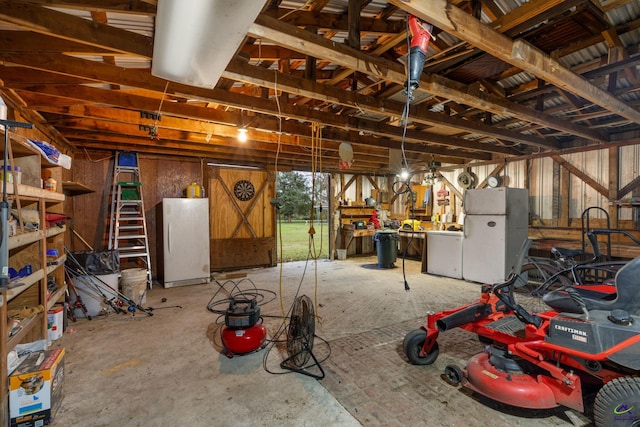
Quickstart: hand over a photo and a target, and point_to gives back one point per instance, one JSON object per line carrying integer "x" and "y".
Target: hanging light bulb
{"x": 404, "y": 174}
{"x": 242, "y": 135}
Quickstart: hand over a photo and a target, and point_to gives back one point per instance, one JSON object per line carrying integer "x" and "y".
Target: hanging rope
{"x": 316, "y": 167}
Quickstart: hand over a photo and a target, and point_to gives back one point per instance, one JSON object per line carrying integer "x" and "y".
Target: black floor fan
{"x": 300, "y": 337}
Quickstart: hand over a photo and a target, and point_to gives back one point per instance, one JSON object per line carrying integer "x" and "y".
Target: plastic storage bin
{"x": 128, "y": 160}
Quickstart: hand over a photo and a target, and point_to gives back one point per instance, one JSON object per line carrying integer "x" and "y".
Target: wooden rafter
{"x": 516, "y": 52}
{"x": 295, "y": 39}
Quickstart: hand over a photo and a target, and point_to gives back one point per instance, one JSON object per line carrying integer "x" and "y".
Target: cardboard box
{"x": 36, "y": 389}
{"x": 55, "y": 318}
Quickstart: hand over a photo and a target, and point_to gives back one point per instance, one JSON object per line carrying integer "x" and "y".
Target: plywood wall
{"x": 160, "y": 178}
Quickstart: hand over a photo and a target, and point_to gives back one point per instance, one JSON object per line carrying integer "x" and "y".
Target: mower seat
{"x": 626, "y": 297}
{"x": 565, "y": 253}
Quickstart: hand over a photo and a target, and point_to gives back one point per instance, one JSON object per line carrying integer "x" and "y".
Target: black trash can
{"x": 387, "y": 247}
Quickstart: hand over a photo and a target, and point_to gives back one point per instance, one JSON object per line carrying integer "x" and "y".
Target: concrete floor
{"x": 167, "y": 369}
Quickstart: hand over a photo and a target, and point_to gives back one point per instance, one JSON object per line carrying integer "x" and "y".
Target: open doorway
{"x": 302, "y": 219}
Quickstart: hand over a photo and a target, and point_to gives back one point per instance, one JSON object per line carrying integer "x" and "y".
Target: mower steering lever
{"x": 520, "y": 312}
{"x": 526, "y": 317}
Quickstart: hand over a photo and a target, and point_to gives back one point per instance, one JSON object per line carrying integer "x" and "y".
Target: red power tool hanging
{"x": 420, "y": 37}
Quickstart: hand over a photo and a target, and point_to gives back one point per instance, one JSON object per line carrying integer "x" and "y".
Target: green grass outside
{"x": 295, "y": 241}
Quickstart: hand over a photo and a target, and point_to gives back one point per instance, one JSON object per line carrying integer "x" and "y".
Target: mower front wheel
{"x": 616, "y": 403}
{"x": 453, "y": 374}
{"x": 412, "y": 346}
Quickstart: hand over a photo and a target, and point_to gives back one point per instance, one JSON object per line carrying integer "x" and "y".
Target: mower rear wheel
{"x": 616, "y": 402}
{"x": 412, "y": 345}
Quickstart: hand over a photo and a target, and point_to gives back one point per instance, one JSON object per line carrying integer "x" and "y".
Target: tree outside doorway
{"x": 295, "y": 192}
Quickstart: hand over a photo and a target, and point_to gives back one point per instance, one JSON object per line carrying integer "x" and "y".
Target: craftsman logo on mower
{"x": 576, "y": 334}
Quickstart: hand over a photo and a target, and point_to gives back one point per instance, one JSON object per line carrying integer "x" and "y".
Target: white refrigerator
{"x": 496, "y": 223}
{"x": 185, "y": 242}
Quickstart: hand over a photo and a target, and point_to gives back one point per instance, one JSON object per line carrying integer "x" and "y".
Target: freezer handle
{"x": 464, "y": 227}
{"x": 169, "y": 237}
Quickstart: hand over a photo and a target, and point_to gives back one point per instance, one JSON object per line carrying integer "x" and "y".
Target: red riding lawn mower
{"x": 587, "y": 342}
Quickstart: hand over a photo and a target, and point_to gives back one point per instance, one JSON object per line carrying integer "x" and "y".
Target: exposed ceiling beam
{"x": 143, "y": 79}
{"x": 241, "y": 71}
{"x": 14, "y": 101}
{"x": 130, "y": 6}
{"x": 305, "y": 42}
{"x": 62, "y": 25}
{"x": 416, "y": 140}
{"x": 517, "y": 52}
{"x": 28, "y": 41}
{"x": 532, "y": 13}
{"x": 399, "y": 79}
{"x": 334, "y": 21}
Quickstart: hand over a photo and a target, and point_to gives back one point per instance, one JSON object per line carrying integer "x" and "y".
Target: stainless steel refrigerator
{"x": 185, "y": 242}
{"x": 496, "y": 223}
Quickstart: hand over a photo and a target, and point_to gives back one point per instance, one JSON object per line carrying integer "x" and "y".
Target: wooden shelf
{"x": 24, "y": 239}
{"x": 30, "y": 248}
{"x": 24, "y": 283}
{"x": 25, "y": 327}
{"x": 350, "y": 214}
{"x": 422, "y": 214}
{"x": 630, "y": 201}
{"x": 56, "y": 296}
{"x": 357, "y": 210}
{"x": 54, "y": 231}
{"x": 72, "y": 188}
{"x": 360, "y": 233}
{"x": 58, "y": 262}
{"x": 35, "y": 192}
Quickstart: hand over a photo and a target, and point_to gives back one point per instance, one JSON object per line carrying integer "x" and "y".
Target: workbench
{"x": 358, "y": 242}
{"x": 413, "y": 242}
{"x": 417, "y": 246}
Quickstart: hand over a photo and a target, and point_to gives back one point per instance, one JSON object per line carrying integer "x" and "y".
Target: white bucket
{"x": 134, "y": 284}
{"x": 90, "y": 296}
{"x": 341, "y": 254}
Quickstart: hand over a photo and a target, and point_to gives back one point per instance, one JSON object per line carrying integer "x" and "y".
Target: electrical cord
{"x": 282, "y": 329}
{"x": 244, "y": 289}
{"x": 404, "y": 187}
{"x": 250, "y": 291}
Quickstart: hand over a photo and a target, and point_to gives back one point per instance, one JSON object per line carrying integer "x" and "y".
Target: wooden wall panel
{"x": 235, "y": 254}
{"x": 160, "y": 178}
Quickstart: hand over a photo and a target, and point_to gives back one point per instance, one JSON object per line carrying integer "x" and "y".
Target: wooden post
{"x": 614, "y": 164}
{"x": 333, "y": 217}
{"x": 565, "y": 181}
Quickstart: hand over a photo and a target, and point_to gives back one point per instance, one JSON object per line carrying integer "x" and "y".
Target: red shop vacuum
{"x": 243, "y": 332}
